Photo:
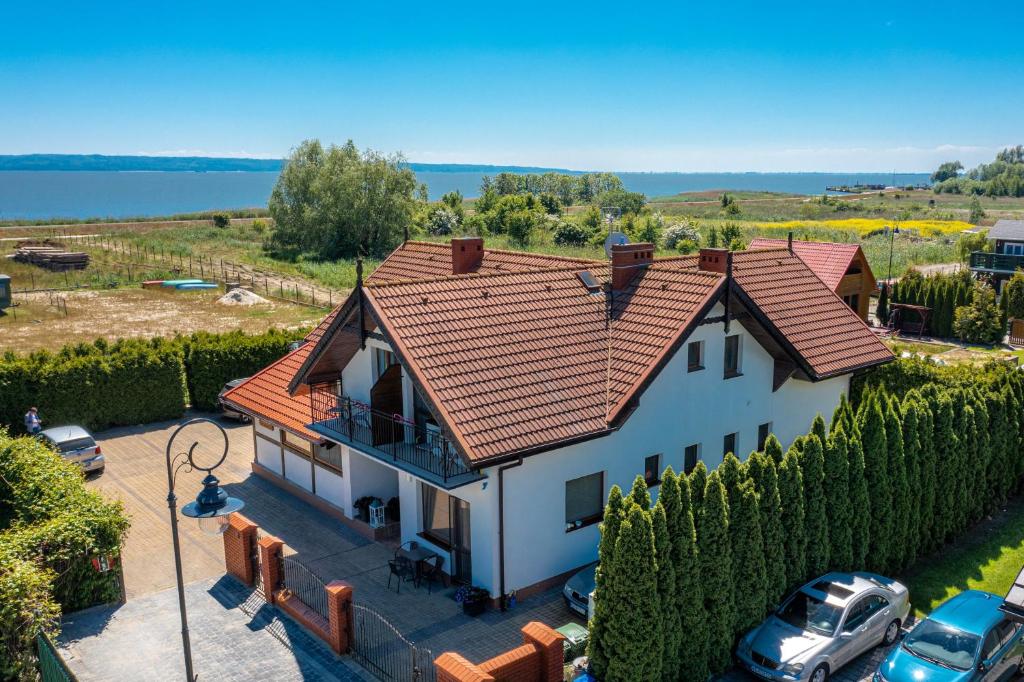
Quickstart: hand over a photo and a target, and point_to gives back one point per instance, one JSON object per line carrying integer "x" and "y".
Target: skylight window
{"x": 589, "y": 281}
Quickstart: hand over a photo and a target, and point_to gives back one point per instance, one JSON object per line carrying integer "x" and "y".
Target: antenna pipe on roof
{"x": 359, "y": 300}
{"x": 790, "y": 241}
{"x": 405, "y": 233}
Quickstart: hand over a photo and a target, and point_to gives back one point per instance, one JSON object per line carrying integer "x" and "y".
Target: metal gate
{"x": 51, "y": 666}
{"x": 387, "y": 654}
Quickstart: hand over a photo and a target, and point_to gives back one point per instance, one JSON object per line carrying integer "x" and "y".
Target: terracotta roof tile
{"x": 822, "y": 329}
{"x": 426, "y": 260}
{"x": 828, "y": 260}
{"x": 521, "y": 360}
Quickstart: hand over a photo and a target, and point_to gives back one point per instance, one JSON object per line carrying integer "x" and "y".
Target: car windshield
{"x": 76, "y": 444}
{"x": 807, "y": 612}
{"x": 944, "y": 645}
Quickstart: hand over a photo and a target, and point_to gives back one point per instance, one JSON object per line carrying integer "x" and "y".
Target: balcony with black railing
{"x": 985, "y": 261}
{"x": 422, "y": 450}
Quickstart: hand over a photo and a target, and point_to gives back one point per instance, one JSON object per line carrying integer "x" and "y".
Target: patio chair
{"x": 430, "y": 571}
{"x": 403, "y": 569}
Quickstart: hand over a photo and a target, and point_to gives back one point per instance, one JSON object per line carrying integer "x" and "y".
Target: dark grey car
{"x": 75, "y": 444}
{"x": 226, "y": 409}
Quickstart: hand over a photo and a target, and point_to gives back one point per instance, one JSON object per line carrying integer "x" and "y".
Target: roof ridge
{"x": 478, "y": 275}
{"x": 552, "y": 256}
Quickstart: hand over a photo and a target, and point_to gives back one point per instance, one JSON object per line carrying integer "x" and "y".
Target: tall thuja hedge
{"x": 764, "y": 474}
{"x": 748, "y": 558}
{"x": 912, "y": 465}
{"x": 97, "y": 385}
{"x": 604, "y": 595}
{"x": 791, "y": 494}
{"x": 876, "y": 472}
{"x": 897, "y": 470}
{"x": 941, "y": 292}
{"x": 812, "y": 465}
{"x": 671, "y": 628}
{"x": 211, "y": 360}
{"x": 837, "y": 500}
{"x": 860, "y": 503}
{"x": 634, "y": 633}
{"x": 715, "y": 552}
{"x": 51, "y": 527}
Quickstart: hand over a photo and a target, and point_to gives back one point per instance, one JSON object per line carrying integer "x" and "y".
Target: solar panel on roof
{"x": 589, "y": 281}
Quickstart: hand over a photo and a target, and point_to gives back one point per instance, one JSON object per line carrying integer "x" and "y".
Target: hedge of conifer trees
{"x": 941, "y": 292}
{"x": 678, "y": 582}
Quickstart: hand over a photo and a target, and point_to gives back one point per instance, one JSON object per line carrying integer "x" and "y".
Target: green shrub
{"x": 51, "y": 527}
{"x": 211, "y": 360}
{"x": 96, "y": 385}
{"x": 221, "y": 220}
{"x": 571, "y": 234}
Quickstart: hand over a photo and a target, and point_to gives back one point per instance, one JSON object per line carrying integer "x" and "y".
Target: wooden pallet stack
{"x": 51, "y": 256}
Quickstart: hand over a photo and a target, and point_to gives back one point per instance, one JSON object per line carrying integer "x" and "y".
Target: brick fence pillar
{"x": 270, "y": 566}
{"x": 551, "y": 646}
{"x": 452, "y": 667}
{"x": 339, "y": 612}
{"x": 239, "y": 544}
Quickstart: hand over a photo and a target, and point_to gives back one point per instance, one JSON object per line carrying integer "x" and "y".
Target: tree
{"x": 698, "y": 484}
{"x": 453, "y": 201}
{"x": 634, "y": 631}
{"x": 773, "y": 448}
{"x": 1013, "y": 293}
{"x": 860, "y": 503}
{"x": 598, "y": 648}
{"x": 947, "y": 171}
{"x": 898, "y": 481}
{"x": 626, "y": 202}
{"x": 882, "y": 309}
{"x": 671, "y": 626}
{"x": 876, "y": 473}
{"x": 791, "y": 495}
{"x": 340, "y": 202}
{"x": 980, "y": 322}
{"x": 912, "y": 460}
{"x": 715, "y": 552}
{"x": 837, "y": 500}
{"x": 688, "y": 646}
{"x": 946, "y": 443}
{"x": 763, "y": 473}
{"x": 640, "y": 494}
{"x": 812, "y": 465}
{"x": 732, "y": 472}
{"x": 818, "y": 428}
{"x": 748, "y": 559}
{"x": 977, "y": 212}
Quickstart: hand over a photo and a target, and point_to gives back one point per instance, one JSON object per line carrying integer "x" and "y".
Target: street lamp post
{"x": 211, "y": 508}
{"x": 892, "y": 237}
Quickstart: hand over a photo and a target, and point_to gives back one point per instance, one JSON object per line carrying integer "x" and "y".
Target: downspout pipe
{"x": 501, "y": 529}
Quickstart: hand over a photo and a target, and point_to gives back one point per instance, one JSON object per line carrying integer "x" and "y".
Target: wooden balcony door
{"x": 386, "y": 400}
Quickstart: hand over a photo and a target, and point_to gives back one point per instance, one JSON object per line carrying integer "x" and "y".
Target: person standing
{"x": 33, "y": 424}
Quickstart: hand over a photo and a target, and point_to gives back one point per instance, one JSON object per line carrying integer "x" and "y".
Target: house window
{"x": 383, "y": 360}
{"x": 729, "y": 443}
{"x": 296, "y": 444}
{"x": 733, "y": 349}
{"x": 763, "y": 431}
{"x": 329, "y": 455}
{"x": 853, "y": 301}
{"x": 690, "y": 458}
{"x": 437, "y": 519}
{"x": 652, "y": 470}
{"x": 584, "y": 501}
{"x": 695, "y": 356}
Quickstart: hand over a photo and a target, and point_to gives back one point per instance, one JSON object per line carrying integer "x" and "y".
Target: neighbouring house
{"x": 493, "y": 397}
{"x": 1007, "y": 255}
{"x": 842, "y": 267}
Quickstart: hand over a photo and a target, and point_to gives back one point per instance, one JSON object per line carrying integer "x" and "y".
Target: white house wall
{"x": 268, "y": 454}
{"x": 298, "y": 471}
{"x": 678, "y": 409}
{"x": 371, "y": 478}
{"x": 334, "y": 489}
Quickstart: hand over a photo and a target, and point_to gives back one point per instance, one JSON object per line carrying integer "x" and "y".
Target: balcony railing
{"x": 423, "y": 450}
{"x": 996, "y": 262}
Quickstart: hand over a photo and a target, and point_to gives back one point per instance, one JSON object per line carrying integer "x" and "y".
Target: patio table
{"x": 417, "y": 556}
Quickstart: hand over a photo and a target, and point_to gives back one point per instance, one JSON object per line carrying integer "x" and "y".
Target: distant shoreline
{"x": 210, "y": 164}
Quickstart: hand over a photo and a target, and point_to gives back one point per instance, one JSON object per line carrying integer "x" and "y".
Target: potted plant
{"x": 473, "y": 599}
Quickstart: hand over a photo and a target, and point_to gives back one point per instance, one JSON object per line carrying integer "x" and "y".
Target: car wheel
{"x": 820, "y": 674}
{"x": 892, "y": 631}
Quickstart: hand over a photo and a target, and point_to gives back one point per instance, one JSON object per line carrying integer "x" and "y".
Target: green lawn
{"x": 988, "y": 558}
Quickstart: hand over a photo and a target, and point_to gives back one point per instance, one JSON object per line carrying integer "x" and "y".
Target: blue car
{"x": 966, "y": 638}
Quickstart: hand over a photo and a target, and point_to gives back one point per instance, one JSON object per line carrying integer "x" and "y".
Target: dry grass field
{"x": 118, "y": 313}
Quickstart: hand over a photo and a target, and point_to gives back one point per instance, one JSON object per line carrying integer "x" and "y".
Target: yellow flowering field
{"x": 864, "y": 226}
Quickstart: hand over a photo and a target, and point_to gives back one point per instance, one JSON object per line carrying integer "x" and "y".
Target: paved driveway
{"x": 136, "y": 473}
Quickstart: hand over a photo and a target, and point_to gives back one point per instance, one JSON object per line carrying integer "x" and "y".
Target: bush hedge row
{"x": 134, "y": 381}
{"x": 51, "y": 529}
{"x": 938, "y": 450}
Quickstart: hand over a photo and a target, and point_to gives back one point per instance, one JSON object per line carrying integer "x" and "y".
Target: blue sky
{"x": 728, "y": 86}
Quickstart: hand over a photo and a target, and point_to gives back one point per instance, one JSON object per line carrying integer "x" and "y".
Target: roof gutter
{"x": 501, "y": 529}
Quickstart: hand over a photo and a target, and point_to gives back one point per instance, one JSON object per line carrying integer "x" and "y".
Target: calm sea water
{"x": 88, "y": 194}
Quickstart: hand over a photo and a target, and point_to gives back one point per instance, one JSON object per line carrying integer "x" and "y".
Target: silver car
{"x": 76, "y": 445}
{"x": 579, "y": 589}
{"x": 824, "y": 625}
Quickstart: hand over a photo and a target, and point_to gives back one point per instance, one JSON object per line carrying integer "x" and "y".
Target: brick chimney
{"x": 714, "y": 260}
{"x": 627, "y": 261}
{"x": 467, "y": 254}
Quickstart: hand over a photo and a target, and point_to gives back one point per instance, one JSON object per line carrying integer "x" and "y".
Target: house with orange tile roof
{"x": 842, "y": 267}
{"x": 490, "y": 399}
